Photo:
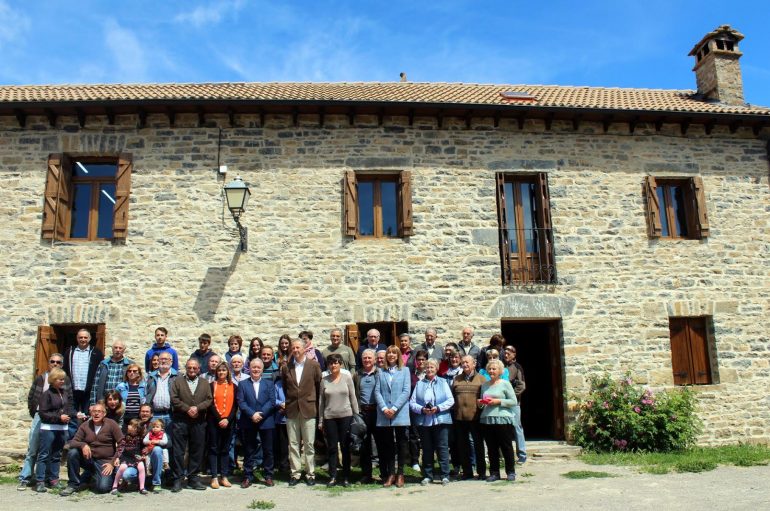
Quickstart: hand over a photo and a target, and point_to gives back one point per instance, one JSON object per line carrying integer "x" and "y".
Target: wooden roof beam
{"x": 81, "y": 115}
{"x": 21, "y": 117}
{"x": 231, "y": 116}
{"x": 520, "y": 119}
{"x": 410, "y": 115}
{"x": 497, "y": 119}
{"x": 295, "y": 117}
{"x": 440, "y": 118}
{"x": 576, "y": 122}
{"x": 709, "y": 126}
{"x": 110, "y": 116}
{"x": 549, "y": 121}
{"x": 201, "y": 117}
{"x": 51, "y": 116}
{"x": 606, "y": 122}
{"x": 468, "y": 119}
{"x": 659, "y": 123}
{"x": 352, "y": 116}
{"x": 142, "y": 114}
{"x": 632, "y": 124}
{"x": 321, "y": 115}
{"x": 735, "y": 125}
{"x": 685, "y": 125}
{"x": 171, "y": 114}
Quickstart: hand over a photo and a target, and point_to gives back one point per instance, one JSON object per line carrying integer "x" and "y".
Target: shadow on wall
{"x": 213, "y": 288}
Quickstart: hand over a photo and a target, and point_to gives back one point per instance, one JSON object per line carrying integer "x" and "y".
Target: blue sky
{"x": 581, "y": 42}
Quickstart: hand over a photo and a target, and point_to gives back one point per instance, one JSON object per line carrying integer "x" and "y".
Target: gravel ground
{"x": 540, "y": 485}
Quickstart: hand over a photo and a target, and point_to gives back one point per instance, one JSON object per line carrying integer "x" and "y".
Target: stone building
{"x": 600, "y": 229}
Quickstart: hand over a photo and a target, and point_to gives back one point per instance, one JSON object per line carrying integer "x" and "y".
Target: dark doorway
{"x": 539, "y": 351}
{"x": 389, "y": 331}
{"x": 57, "y": 338}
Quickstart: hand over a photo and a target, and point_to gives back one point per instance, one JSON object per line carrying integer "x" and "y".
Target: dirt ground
{"x": 540, "y": 485}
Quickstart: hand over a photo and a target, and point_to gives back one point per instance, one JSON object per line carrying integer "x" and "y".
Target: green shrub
{"x": 621, "y": 416}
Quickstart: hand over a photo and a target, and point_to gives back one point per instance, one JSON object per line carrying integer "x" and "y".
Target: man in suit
{"x": 80, "y": 364}
{"x": 256, "y": 400}
{"x": 301, "y": 385}
{"x": 190, "y": 398}
{"x": 434, "y": 349}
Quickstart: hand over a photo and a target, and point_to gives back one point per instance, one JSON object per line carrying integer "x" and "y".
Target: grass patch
{"x": 9, "y": 474}
{"x": 526, "y": 474}
{"x": 261, "y": 504}
{"x": 698, "y": 459}
{"x": 586, "y": 474}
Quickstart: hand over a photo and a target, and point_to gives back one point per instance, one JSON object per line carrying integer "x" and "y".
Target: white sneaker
{"x": 416, "y": 467}
{"x": 445, "y": 481}
{"x": 426, "y": 481}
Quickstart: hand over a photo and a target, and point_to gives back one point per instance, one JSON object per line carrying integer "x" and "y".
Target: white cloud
{"x": 211, "y": 14}
{"x": 127, "y": 52}
{"x": 12, "y": 23}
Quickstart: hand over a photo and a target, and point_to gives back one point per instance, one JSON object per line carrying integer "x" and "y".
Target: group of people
{"x": 391, "y": 402}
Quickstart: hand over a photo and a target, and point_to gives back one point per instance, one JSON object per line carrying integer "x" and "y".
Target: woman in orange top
{"x": 221, "y": 421}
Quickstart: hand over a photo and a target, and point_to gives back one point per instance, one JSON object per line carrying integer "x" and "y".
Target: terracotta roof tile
{"x": 385, "y": 92}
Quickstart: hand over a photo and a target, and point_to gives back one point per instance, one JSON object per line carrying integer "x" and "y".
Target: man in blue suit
{"x": 256, "y": 399}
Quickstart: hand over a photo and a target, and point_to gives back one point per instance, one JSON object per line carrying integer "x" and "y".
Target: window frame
{"x": 693, "y": 202}
{"x": 351, "y": 203}
{"x": 376, "y": 180}
{"x": 59, "y": 194}
{"x": 93, "y": 212}
{"x": 514, "y": 270}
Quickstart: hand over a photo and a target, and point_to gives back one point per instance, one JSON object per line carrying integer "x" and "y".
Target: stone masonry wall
{"x": 181, "y": 268}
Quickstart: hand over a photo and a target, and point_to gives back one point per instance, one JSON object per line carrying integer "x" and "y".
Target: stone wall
{"x": 181, "y": 268}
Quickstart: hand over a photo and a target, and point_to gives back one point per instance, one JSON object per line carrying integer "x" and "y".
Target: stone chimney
{"x": 717, "y": 71}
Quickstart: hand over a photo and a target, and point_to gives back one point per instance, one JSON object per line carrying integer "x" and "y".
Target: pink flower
{"x": 606, "y": 405}
{"x": 637, "y": 409}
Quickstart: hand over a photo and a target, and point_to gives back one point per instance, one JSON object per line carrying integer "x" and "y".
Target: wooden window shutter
{"x": 101, "y": 336}
{"x": 122, "y": 193}
{"x": 700, "y": 219}
{"x": 350, "y": 194}
{"x": 680, "y": 351}
{"x": 652, "y": 208}
{"x": 544, "y": 233}
{"x": 700, "y": 366}
{"x": 502, "y": 221}
{"x": 56, "y": 207}
{"x": 405, "y": 221}
{"x": 352, "y": 336}
{"x": 45, "y": 347}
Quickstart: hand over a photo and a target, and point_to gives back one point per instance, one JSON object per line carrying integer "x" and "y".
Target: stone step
{"x": 545, "y": 449}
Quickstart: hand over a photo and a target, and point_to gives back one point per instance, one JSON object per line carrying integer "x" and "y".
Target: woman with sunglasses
{"x": 55, "y": 408}
{"x": 133, "y": 391}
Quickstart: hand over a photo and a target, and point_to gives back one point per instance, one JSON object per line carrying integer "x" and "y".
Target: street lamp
{"x": 237, "y": 195}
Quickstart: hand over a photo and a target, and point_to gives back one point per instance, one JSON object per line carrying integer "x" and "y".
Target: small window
{"x": 676, "y": 208}
{"x": 690, "y": 353}
{"x": 378, "y": 205}
{"x": 86, "y": 198}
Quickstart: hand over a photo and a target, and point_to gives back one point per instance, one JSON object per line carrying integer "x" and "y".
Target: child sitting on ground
{"x": 129, "y": 454}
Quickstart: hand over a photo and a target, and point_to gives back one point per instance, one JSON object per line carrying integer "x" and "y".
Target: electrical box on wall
{"x": 223, "y": 169}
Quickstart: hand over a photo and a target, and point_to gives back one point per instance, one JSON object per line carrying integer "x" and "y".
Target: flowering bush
{"x": 621, "y": 416}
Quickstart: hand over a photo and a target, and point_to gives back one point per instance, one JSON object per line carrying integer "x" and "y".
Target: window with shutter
{"x": 690, "y": 359}
{"x": 378, "y": 205}
{"x": 86, "y": 198}
{"x": 676, "y": 208}
{"x": 526, "y": 233}
{"x": 44, "y": 348}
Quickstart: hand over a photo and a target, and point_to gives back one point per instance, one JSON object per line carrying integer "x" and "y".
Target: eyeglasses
{"x": 57, "y": 362}
{"x": 133, "y": 371}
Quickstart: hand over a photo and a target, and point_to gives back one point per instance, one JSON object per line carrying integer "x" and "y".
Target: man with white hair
{"x": 434, "y": 349}
{"x": 110, "y": 372}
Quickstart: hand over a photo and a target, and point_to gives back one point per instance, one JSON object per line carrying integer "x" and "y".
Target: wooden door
{"x": 44, "y": 348}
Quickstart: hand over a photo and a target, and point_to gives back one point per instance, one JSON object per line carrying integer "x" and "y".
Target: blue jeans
{"x": 521, "y": 446}
{"x": 92, "y": 469}
{"x": 33, "y": 444}
{"x": 156, "y": 464}
{"x": 49, "y": 455}
{"x": 435, "y": 439}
